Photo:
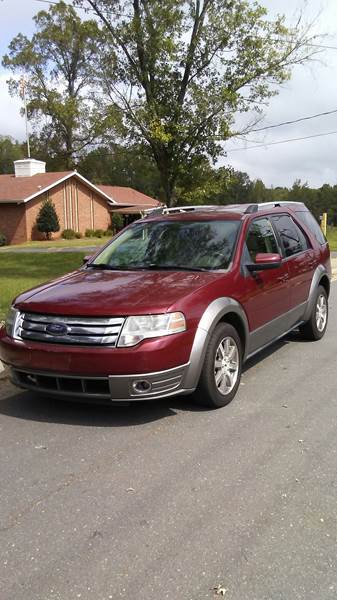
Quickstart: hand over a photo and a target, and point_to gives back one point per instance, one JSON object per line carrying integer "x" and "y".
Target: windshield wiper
{"x": 105, "y": 266}
{"x": 144, "y": 266}
{"x": 154, "y": 267}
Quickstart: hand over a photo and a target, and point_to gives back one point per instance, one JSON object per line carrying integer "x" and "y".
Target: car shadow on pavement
{"x": 34, "y": 407}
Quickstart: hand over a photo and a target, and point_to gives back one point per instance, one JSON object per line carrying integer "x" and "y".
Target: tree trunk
{"x": 167, "y": 178}
{"x": 69, "y": 150}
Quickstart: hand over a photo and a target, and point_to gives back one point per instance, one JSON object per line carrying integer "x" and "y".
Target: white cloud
{"x": 312, "y": 89}
{"x": 11, "y": 122}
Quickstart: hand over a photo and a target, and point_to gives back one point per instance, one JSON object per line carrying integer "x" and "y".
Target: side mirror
{"x": 265, "y": 261}
{"x": 86, "y": 259}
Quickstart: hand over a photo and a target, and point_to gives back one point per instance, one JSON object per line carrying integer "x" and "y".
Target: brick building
{"x": 80, "y": 204}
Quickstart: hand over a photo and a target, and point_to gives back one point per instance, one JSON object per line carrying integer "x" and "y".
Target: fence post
{"x": 324, "y": 222}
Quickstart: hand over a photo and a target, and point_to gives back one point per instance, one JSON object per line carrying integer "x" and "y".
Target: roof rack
{"x": 279, "y": 203}
{"x": 245, "y": 209}
{"x": 163, "y": 210}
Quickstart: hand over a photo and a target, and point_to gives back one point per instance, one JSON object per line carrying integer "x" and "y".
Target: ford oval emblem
{"x": 56, "y": 329}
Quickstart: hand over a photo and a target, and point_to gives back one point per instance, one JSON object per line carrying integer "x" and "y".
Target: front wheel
{"x": 315, "y": 328}
{"x": 221, "y": 372}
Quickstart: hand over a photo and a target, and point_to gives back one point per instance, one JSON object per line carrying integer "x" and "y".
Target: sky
{"x": 311, "y": 90}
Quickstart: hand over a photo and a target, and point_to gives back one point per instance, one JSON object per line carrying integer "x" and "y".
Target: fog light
{"x": 141, "y": 386}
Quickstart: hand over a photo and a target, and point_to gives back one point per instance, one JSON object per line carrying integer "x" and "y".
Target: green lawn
{"x": 60, "y": 243}
{"x": 332, "y": 237}
{"x": 19, "y": 272}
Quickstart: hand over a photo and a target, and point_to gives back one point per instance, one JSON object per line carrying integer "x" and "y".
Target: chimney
{"x": 29, "y": 167}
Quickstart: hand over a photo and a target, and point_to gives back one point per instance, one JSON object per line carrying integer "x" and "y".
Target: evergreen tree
{"x": 47, "y": 220}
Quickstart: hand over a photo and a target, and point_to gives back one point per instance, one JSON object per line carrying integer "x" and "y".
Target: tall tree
{"x": 10, "y": 150}
{"x": 129, "y": 165}
{"x": 185, "y": 68}
{"x": 59, "y": 63}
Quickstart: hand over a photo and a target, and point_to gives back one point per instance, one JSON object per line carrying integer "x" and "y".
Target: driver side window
{"x": 261, "y": 238}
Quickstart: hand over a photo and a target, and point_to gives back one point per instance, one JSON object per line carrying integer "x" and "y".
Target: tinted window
{"x": 292, "y": 238}
{"x": 261, "y": 238}
{"x": 309, "y": 220}
{"x": 172, "y": 245}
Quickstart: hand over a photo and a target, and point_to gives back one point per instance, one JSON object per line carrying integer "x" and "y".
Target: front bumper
{"x": 113, "y": 388}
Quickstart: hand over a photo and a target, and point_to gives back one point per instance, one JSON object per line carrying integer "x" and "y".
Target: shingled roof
{"x": 22, "y": 189}
{"x": 128, "y": 196}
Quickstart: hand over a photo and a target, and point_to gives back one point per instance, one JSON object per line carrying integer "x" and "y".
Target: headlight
{"x": 11, "y": 321}
{"x": 136, "y": 329}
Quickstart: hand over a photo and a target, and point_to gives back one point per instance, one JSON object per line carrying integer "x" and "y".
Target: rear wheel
{"x": 221, "y": 372}
{"x": 315, "y": 328}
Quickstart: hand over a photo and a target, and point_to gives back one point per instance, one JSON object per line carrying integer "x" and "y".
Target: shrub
{"x": 78, "y": 235}
{"x": 89, "y": 233}
{"x": 109, "y": 233}
{"x": 117, "y": 221}
{"x": 68, "y": 234}
{"x": 47, "y": 220}
{"x": 99, "y": 233}
{"x": 3, "y": 239}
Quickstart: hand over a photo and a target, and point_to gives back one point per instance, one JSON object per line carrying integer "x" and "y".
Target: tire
{"x": 315, "y": 328}
{"x": 218, "y": 382}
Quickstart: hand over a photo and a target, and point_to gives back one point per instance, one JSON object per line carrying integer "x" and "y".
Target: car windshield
{"x": 176, "y": 245}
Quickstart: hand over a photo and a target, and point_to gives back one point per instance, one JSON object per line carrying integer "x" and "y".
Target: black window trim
{"x": 311, "y": 232}
{"x": 259, "y": 218}
{"x": 283, "y": 253}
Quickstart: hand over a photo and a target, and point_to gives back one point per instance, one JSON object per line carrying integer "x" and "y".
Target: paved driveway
{"x": 169, "y": 501}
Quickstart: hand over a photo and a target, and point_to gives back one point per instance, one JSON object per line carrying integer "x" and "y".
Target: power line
{"x": 322, "y": 114}
{"x": 308, "y": 137}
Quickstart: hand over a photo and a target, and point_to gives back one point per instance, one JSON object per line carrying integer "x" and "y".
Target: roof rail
{"x": 279, "y": 203}
{"x": 164, "y": 210}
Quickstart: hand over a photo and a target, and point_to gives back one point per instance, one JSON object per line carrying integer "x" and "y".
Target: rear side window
{"x": 309, "y": 220}
{"x": 261, "y": 238}
{"x": 292, "y": 238}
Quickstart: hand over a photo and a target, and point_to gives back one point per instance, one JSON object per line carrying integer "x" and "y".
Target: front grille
{"x": 63, "y": 384}
{"x": 69, "y": 330}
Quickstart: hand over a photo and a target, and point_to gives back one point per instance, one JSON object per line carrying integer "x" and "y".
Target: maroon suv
{"x": 174, "y": 304}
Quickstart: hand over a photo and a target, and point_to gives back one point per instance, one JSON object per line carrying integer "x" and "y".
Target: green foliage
{"x": 68, "y": 234}
{"x": 99, "y": 233}
{"x": 89, "y": 233}
{"x": 129, "y": 166}
{"x": 183, "y": 70}
{"x": 10, "y": 150}
{"x": 3, "y": 239}
{"x": 60, "y": 64}
{"x": 117, "y": 222}
{"x": 47, "y": 220}
{"x": 109, "y": 233}
{"x": 78, "y": 235}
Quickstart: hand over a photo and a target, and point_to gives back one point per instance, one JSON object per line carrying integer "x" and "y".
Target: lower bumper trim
{"x": 112, "y": 388}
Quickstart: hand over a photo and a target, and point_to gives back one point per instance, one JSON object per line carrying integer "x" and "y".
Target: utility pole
{"x": 22, "y": 88}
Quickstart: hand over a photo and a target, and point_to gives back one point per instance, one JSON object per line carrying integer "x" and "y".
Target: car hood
{"x": 107, "y": 293}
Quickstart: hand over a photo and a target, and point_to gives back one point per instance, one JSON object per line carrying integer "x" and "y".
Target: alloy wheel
{"x": 321, "y": 312}
{"x": 226, "y": 365}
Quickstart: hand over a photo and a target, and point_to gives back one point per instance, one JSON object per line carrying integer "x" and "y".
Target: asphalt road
{"x": 169, "y": 501}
